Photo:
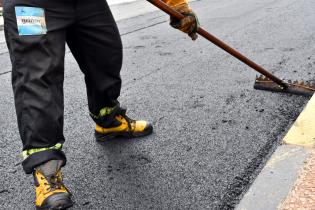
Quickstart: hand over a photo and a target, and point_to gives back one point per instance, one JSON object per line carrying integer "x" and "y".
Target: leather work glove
{"x": 190, "y": 23}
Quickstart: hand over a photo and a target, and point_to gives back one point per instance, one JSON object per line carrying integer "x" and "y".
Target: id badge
{"x": 30, "y": 20}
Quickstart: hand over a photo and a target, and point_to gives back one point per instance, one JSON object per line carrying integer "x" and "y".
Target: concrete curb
{"x": 1, "y": 17}
{"x": 278, "y": 177}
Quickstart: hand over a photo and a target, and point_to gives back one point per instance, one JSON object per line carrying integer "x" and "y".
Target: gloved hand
{"x": 189, "y": 24}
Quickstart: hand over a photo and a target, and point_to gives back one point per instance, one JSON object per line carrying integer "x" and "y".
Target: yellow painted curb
{"x": 302, "y": 133}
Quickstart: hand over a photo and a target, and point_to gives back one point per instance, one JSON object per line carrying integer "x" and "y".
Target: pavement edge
{"x": 277, "y": 178}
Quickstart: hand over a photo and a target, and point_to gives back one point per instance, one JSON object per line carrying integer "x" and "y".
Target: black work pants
{"x": 89, "y": 29}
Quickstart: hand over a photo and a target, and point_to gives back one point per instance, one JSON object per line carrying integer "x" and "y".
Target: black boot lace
{"x": 54, "y": 183}
{"x": 122, "y": 112}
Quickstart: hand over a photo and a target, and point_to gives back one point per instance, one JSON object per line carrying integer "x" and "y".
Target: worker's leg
{"x": 95, "y": 42}
{"x": 35, "y": 35}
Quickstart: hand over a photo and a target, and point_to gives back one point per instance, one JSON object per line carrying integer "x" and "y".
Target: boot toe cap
{"x": 57, "y": 201}
{"x": 149, "y": 128}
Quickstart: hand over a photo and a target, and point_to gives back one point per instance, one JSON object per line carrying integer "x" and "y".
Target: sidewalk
{"x": 302, "y": 195}
{"x": 287, "y": 182}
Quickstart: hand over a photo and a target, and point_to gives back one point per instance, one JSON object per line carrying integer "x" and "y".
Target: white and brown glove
{"x": 190, "y": 23}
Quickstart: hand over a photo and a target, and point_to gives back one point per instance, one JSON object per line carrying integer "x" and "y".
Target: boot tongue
{"x": 50, "y": 168}
{"x": 109, "y": 120}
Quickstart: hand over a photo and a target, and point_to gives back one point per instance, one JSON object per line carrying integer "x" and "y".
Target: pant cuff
{"x": 39, "y": 158}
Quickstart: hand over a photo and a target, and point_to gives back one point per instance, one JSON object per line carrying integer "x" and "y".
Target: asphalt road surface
{"x": 213, "y": 131}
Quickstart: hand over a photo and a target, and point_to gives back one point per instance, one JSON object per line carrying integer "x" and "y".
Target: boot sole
{"x": 128, "y": 135}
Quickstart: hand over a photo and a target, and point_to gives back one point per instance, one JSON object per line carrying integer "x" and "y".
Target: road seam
{"x": 281, "y": 172}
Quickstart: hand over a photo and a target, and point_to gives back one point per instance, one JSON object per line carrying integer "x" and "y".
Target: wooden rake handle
{"x": 164, "y": 7}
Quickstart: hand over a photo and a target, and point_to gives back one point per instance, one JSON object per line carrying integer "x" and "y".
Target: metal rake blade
{"x": 295, "y": 87}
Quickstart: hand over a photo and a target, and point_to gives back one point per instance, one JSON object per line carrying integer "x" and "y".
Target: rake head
{"x": 298, "y": 88}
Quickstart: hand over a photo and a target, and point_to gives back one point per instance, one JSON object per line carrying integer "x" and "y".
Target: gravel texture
{"x": 213, "y": 131}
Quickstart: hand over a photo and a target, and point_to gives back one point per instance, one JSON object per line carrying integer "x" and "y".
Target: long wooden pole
{"x": 164, "y": 7}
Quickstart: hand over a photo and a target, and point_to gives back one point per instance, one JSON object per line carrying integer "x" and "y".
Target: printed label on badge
{"x": 30, "y": 21}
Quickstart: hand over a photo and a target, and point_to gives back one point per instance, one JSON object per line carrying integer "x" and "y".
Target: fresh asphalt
{"x": 213, "y": 131}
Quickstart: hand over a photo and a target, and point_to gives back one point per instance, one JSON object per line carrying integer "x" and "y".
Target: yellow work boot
{"x": 121, "y": 126}
{"x": 50, "y": 190}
